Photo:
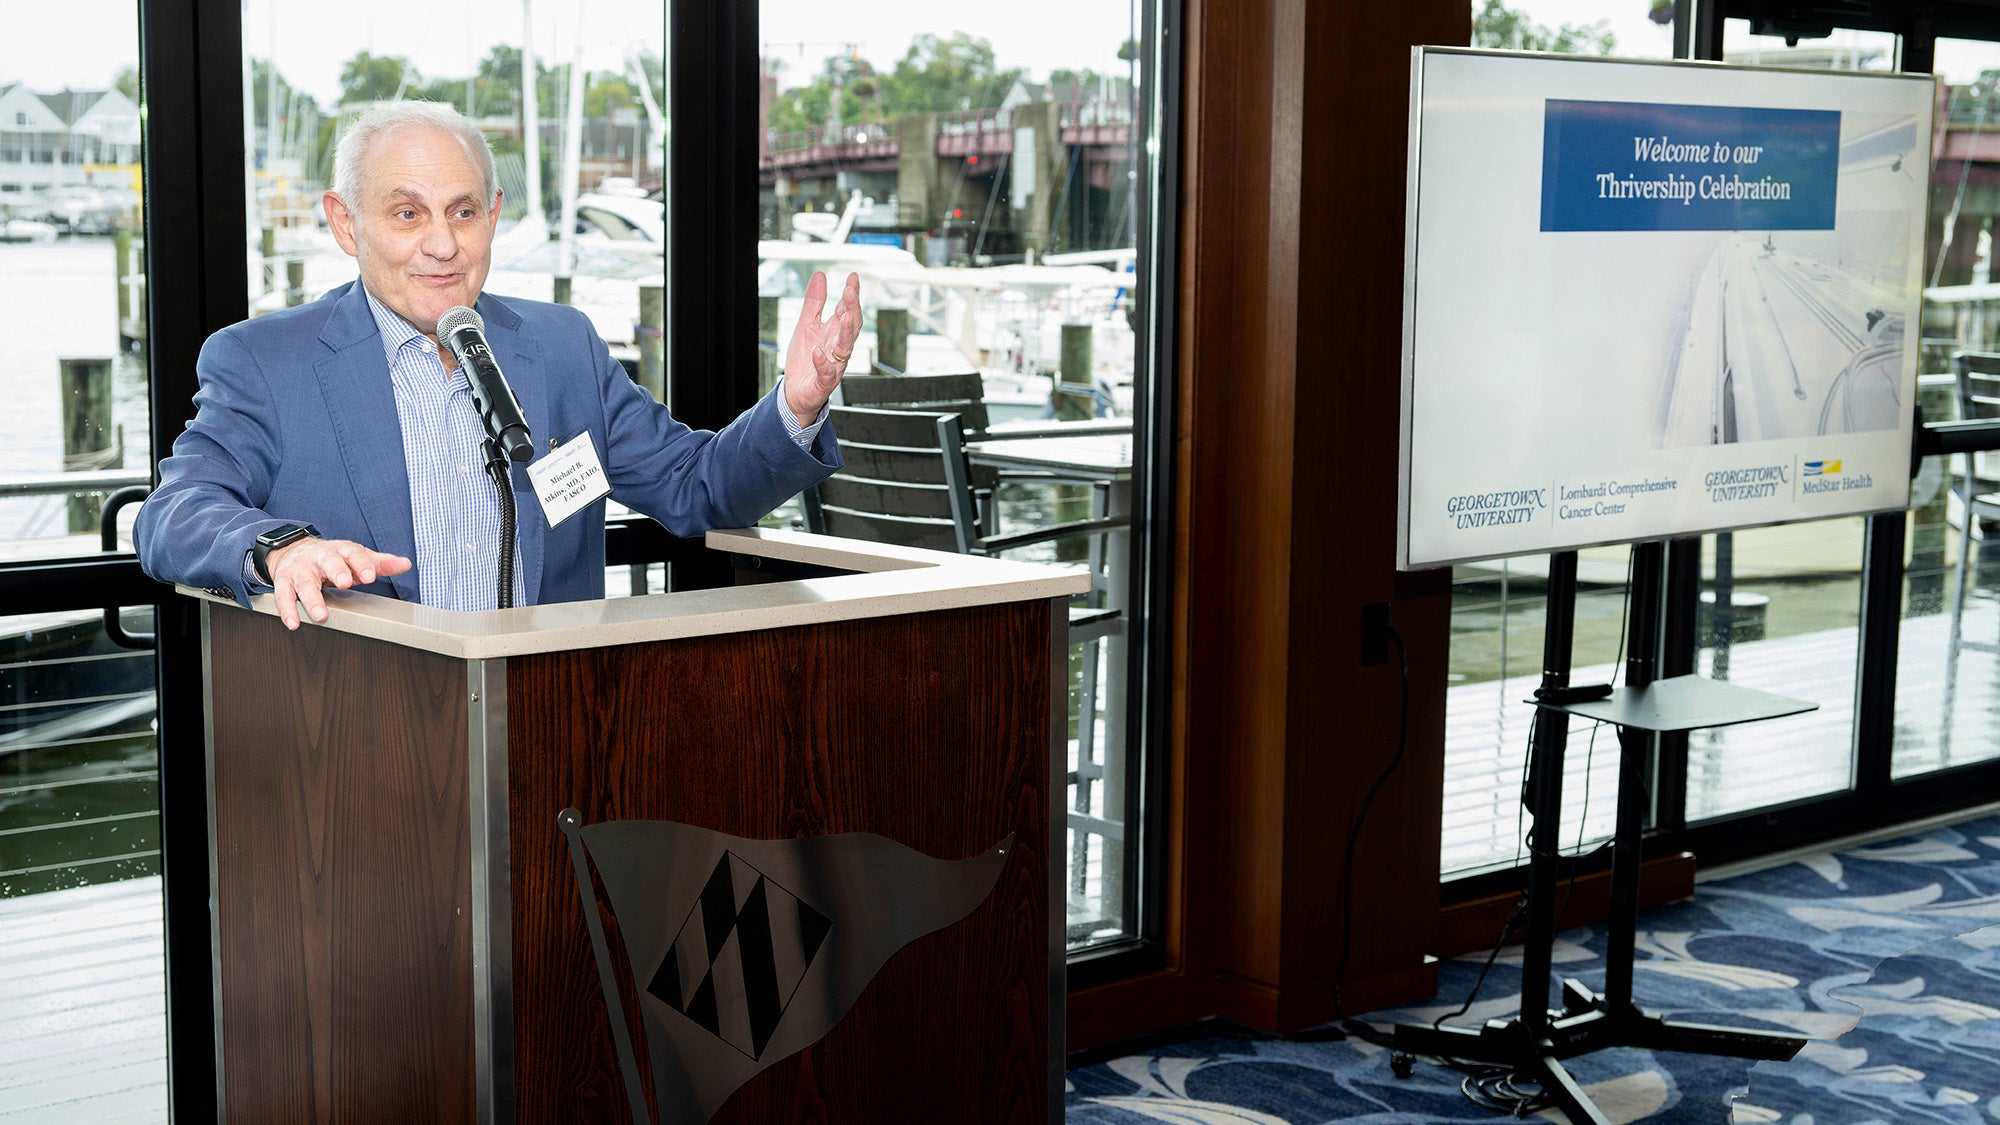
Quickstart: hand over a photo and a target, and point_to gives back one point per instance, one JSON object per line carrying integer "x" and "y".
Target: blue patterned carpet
{"x": 1886, "y": 957}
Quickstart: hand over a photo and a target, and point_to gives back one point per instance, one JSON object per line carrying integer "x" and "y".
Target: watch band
{"x": 279, "y": 536}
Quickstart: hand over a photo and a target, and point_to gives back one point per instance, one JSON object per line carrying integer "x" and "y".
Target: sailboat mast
{"x": 531, "y": 117}
{"x": 572, "y": 152}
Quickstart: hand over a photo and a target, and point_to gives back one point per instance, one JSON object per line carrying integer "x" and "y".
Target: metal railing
{"x": 63, "y": 484}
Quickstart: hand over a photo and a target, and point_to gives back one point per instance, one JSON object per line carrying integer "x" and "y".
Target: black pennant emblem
{"x": 740, "y": 955}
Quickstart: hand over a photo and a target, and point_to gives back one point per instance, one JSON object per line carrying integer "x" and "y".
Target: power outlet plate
{"x": 1375, "y": 633}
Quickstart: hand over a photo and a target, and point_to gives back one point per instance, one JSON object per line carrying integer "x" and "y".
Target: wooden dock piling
{"x": 1075, "y": 395}
{"x": 89, "y": 441}
{"x": 653, "y": 340}
{"x": 892, "y": 338}
{"x": 129, "y": 270}
{"x": 767, "y": 344}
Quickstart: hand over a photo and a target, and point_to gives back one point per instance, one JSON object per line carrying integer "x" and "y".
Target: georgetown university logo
{"x": 750, "y": 950}
{"x": 1501, "y": 508}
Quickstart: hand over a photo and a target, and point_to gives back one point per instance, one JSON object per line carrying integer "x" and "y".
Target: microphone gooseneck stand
{"x": 496, "y": 467}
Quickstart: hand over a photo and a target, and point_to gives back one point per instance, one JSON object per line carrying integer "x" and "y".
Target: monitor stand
{"x": 1536, "y": 1042}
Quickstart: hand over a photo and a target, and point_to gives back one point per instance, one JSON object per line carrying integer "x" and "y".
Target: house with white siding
{"x": 54, "y": 141}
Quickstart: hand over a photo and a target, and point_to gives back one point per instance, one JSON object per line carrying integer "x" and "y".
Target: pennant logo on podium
{"x": 740, "y": 955}
{"x": 752, "y": 950}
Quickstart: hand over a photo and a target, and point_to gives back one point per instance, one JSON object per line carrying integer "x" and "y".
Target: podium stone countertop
{"x": 886, "y": 580}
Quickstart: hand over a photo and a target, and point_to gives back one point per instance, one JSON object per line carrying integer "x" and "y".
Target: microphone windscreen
{"x": 457, "y": 317}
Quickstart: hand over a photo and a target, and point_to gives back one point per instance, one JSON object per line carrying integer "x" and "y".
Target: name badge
{"x": 569, "y": 479}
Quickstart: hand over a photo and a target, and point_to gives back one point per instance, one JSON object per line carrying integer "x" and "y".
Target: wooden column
{"x": 1289, "y": 382}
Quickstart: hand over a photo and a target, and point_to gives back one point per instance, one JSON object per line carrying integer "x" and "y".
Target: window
{"x": 984, "y": 178}
{"x": 1779, "y": 609}
{"x": 81, "y": 917}
{"x": 1948, "y": 657}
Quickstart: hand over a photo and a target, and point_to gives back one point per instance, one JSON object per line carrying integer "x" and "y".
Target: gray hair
{"x": 383, "y": 119}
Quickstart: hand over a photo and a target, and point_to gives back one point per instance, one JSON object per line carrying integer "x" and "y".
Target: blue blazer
{"x": 296, "y": 422}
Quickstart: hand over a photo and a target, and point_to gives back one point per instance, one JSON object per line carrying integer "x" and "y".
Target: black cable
{"x": 1355, "y": 1027}
{"x": 1590, "y": 750}
{"x": 1506, "y": 928}
{"x": 1343, "y": 1025}
{"x": 496, "y": 466}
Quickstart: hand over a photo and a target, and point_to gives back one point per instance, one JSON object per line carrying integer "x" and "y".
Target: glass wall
{"x": 979, "y": 170}
{"x": 70, "y": 252}
{"x": 1781, "y": 606}
{"x": 1498, "y": 619}
{"x": 1792, "y": 627}
{"x": 1948, "y": 662}
{"x": 82, "y": 970}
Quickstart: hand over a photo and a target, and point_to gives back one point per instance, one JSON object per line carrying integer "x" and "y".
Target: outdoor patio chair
{"x": 1978, "y": 398}
{"x": 907, "y": 480}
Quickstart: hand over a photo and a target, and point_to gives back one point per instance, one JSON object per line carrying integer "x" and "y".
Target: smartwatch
{"x": 282, "y": 535}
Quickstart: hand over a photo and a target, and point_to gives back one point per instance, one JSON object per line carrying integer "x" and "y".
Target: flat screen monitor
{"x": 1646, "y": 300}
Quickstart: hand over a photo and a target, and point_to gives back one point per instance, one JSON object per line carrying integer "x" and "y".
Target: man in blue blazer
{"x": 336, "y": 444}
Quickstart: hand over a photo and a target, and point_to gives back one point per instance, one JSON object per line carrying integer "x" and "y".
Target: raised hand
{"x": 820, "y": 348}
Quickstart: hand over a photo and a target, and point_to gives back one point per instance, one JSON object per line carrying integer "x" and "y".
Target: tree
{"x": 604, "y": 91}
{"x": 1085, "y": 81}
{"x": 296, "y": 111}
{"x": 937, "y": 74}
{"x": 946, "y": 73}
{"x": 497, "y": 87}
{"x": 376, "y": 78}
{"x": 811, "y": 106}
{"x": 127, "y": 83}
{"x": 450, "y": 91}
{"x": 1497, "y": 25}
{"x": 289, "y": 100}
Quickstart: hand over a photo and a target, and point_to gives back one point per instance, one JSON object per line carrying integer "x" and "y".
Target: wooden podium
{"x": 398, "y": 930}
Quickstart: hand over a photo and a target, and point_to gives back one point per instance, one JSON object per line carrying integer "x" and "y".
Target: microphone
{"x": 464, "y": 332}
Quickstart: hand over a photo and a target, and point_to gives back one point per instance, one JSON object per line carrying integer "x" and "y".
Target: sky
{"x": 43, "y": 47}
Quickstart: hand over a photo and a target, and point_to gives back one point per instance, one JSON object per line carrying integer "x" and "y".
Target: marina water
{"x": 60, "y": 302}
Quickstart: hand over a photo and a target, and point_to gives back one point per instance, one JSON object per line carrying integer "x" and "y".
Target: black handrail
{"x": 1972, "y": 435}
{"x": 107, "y": 531}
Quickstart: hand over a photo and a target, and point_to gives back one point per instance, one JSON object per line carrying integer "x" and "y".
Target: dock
{"x": 83, "y": 1005}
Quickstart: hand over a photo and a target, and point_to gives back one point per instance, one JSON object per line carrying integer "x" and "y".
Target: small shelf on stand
{"x": 1681, "y": 703}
